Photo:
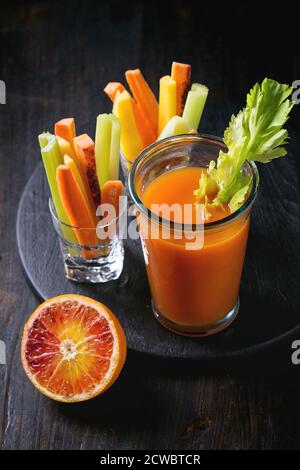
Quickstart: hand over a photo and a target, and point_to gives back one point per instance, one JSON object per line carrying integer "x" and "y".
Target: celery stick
{"x": 194, "y": 105}
{"x": 176, "y": 125}
{"x": 52, "y": 158}
{"x": 102, "y": 147}
{"x": 114, "y": 148}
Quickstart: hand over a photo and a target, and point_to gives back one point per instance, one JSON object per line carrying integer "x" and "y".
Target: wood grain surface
{"x": 55, "y": 58}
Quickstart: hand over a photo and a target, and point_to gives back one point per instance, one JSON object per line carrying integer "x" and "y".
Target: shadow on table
{"x": 125, "y": 405}
{"x": 138, "y": 399}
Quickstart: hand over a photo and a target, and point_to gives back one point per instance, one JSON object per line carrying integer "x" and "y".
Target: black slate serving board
{"x": 269, "y": 295}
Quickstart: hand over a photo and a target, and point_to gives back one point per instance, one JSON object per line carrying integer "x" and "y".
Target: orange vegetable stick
{"x": 65, "y": 128}
{"x": 65, "y": 147}
{"x": 111, "y": 192}
{"x": 85, "y": 153}
{"x": 76, "y": 207}
{"x": 181, "y": 73}
{"x": 112, "y": 88}
{"x": 118, "y": 93}
{"x": 147, "y": 134}
{"x": 76, "y": 173}
{"x": 144, "y": 97}
{"x": 145, "y": 130}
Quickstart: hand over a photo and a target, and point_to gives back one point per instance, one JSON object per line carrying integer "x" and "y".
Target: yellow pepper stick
{"x": 65, "y": 147}
{"x": 167, "y": 101}
{"x": 131, "y": 142}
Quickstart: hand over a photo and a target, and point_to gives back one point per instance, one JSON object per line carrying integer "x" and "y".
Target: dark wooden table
{"x": 55, "y": 58}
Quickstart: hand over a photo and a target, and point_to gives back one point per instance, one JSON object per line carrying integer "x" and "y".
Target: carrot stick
{"x": 115, "y": 102}
{"x": 65, "y": 147}
{"x": 76, "y": 174}
{"x": 144, "y": 96}
{"x": 65, "y": 128}
{"x": 111, "y": 192}
{"x": 112, "y": 88}
{"x": 76, "y": 207}
{"x": 80, "y": 161}
{"x": 85, "y": 152}
{"x": 147, "y": 134}
{"x": 181, "y": 73}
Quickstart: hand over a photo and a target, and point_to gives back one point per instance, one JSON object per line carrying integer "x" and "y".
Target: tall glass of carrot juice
{"x": 194, "y": 260}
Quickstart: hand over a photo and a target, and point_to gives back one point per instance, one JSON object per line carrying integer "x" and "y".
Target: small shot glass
{"x": 97, "y": 263}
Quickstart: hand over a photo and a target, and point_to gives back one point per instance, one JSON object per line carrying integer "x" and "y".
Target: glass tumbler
{"x": 97, "y": 263}
{"x": 194, "y": 290}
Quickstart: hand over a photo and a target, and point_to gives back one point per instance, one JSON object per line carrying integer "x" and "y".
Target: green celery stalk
{"x": 52, "y": 158}
{"x": 114, "y": 148}
{"x": 102, "y": 147}
{"x": 175, "y": 126}
{"x": 194, "y": 105}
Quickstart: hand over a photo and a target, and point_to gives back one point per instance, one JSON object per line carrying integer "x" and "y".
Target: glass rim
{"x": 181, "y": 226}
{"x": 64, "y": 224}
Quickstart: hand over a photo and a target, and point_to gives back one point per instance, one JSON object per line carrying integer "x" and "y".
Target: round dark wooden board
{"x": 262, "y": 320}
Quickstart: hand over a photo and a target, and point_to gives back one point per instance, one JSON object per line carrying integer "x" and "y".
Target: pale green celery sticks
{"x": 52, "y": 158}
{"x": 194, "y": 105}
{"x": 107, "y": 148}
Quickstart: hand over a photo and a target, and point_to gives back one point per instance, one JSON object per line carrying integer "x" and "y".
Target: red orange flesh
{"x": 73, "y": 348}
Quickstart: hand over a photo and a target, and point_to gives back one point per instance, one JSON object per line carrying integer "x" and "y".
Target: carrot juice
{"x": 206, "y": 281}
{"x": 194, "y": 288}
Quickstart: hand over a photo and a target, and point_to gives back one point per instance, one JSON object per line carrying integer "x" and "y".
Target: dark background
{"x": 55, "y": 58}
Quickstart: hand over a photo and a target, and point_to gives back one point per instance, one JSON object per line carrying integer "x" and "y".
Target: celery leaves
{"x": 255, "y": 133}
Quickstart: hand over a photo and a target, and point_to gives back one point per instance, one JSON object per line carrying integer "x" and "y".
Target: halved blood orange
{"x": 73, "y": 348}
